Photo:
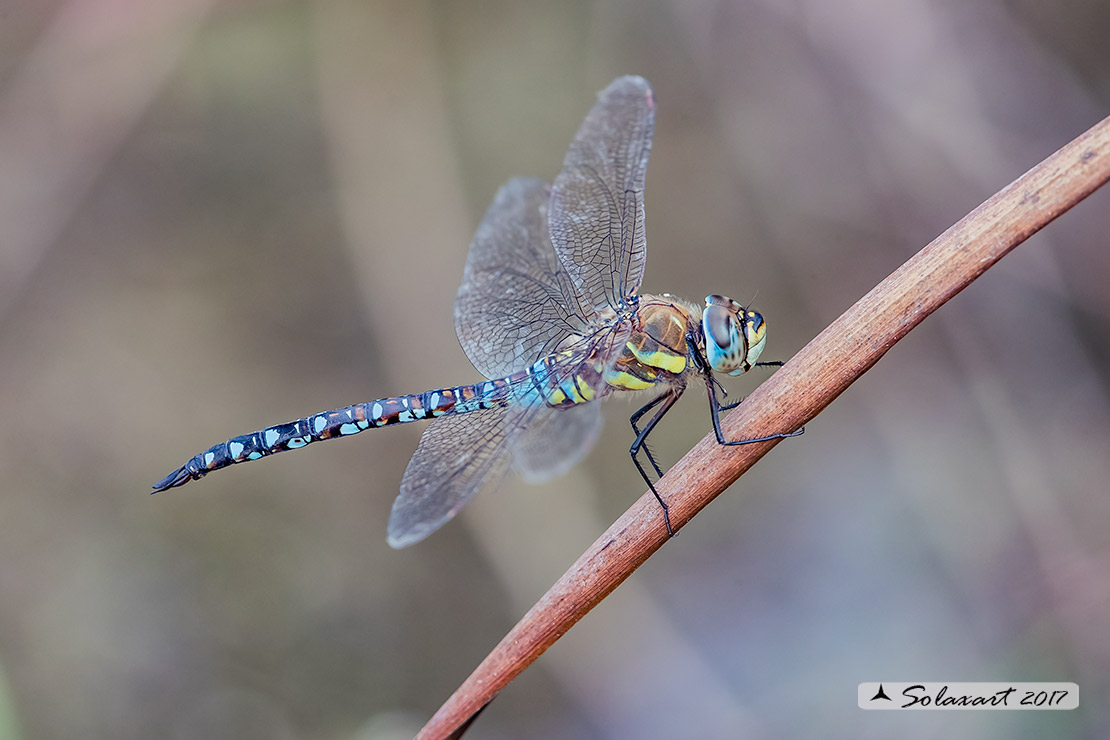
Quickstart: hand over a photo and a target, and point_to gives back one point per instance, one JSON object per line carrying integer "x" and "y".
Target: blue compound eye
{"x": 725, "y": 344}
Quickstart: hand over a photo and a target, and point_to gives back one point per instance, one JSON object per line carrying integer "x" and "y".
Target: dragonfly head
{"x": 734, "y": 335}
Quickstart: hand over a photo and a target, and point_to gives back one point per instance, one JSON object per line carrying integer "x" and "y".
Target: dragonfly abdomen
{"x": 340, "y": 423}
{"x": 561, "y": 379}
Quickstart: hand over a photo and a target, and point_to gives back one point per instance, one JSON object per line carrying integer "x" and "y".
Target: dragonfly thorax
{"x": 734, "y": 335}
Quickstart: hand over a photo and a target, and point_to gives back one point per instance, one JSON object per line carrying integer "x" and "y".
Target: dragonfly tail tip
{"x": 177, "y": 478}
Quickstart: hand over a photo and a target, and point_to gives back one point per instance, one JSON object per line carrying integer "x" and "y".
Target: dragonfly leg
{"x": 668, "y": 400}
{"x": 734, "y": 404}
{"x": 709, "y": 378}
{"x": 715, "y": 411}
{"x": 730, "y": 406}
{"x": 636, "y": 430}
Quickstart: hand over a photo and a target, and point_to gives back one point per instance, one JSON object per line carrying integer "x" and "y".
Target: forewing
{"x": 457, "y": 455}
{"x": 516, "y": 301}
{"x": 596, "y": 215}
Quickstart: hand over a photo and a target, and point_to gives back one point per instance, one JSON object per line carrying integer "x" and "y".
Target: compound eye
{"x": 725, "y": 345}
{"x": 719, "y": 326}
{"x": 718, "y": 300}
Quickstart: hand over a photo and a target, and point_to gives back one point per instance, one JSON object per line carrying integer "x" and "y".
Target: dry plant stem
{"x": 791, "y": 397}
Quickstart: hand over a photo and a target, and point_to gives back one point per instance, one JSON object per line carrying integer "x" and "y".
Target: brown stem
{"x": 790, "y": 398}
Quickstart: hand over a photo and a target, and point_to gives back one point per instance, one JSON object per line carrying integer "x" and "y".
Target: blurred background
{"x": 217, "y": 216}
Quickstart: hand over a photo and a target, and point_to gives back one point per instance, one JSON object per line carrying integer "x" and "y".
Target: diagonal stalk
{"x": 792, "y": 397}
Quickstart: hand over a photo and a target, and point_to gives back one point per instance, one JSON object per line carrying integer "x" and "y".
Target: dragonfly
{"x": 549, "y": 313}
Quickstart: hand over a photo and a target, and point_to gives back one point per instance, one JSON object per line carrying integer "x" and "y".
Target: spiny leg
{"x": 668, "y": 400}
{"x": 636, "y": 430}
{"x": 715, "y": 411}
{"x": 737, "y": 402}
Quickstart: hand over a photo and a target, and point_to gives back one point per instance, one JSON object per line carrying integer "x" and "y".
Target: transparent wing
{"x": 544, "y": 261}
{"x": 547, "y": 442}
{"x": 596, "y": 212}
{"x": 457, "y": 455}
{"x": 516, "y": 302}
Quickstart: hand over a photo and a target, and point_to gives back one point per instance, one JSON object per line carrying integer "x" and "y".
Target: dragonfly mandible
{"x": 548, "y": 312}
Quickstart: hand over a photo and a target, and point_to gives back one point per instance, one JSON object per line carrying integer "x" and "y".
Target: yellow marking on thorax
{"x": 625, "y": 381}
{"x": 662, "y": 358}
{"x": 658, "y": 347}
